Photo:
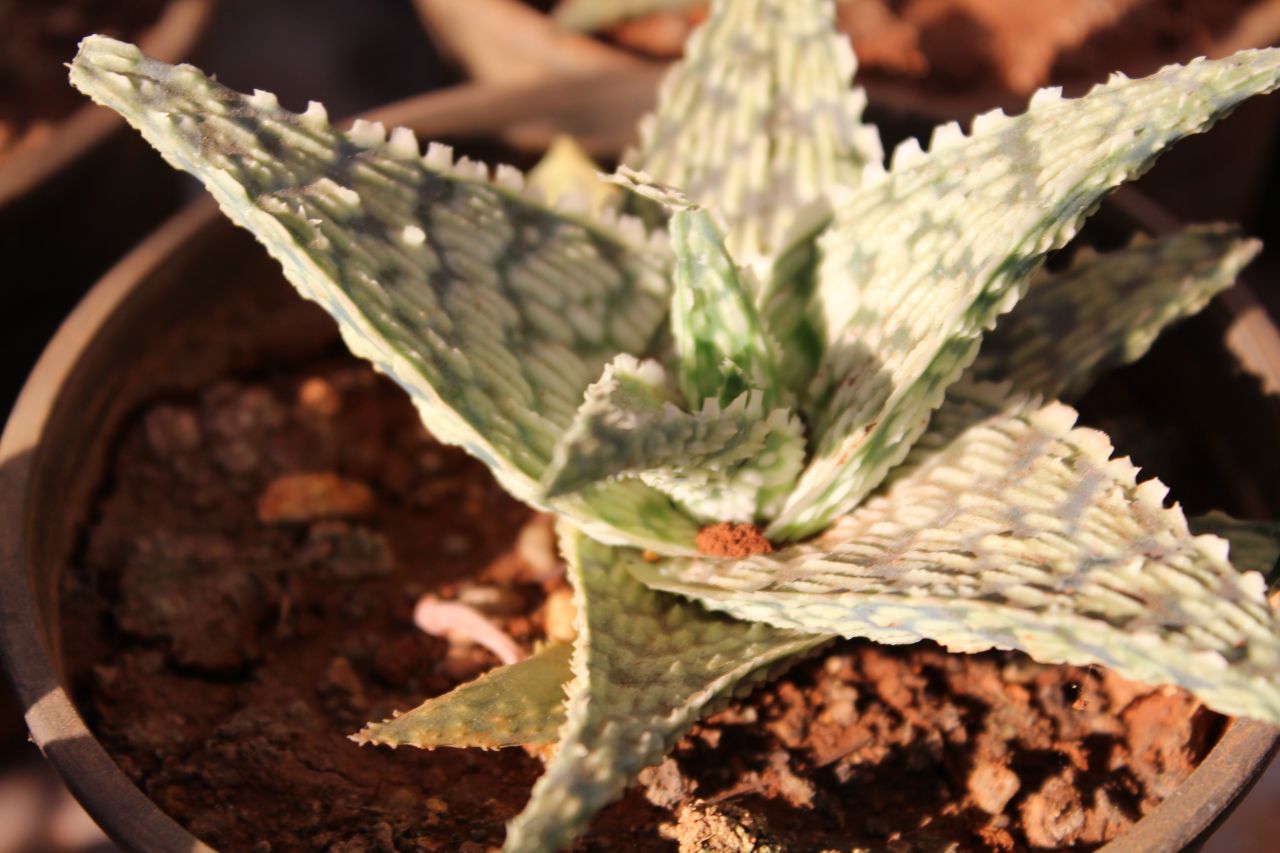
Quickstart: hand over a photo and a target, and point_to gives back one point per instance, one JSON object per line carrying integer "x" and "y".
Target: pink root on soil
{"x": 455, "y": 620}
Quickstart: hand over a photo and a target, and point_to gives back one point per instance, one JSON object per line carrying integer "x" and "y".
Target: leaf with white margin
{"x": 520, "y": 703}
{"x": 589, "y": 16}
{"x": 916, "y": 267}
{"x": 1255, "y": 545}
{"x": 1020, "y": 533}
{"x": 721, "y": 347}
{"x": 1107, "y": 310}
{"x": 723, "y": 463}
{"x": 646, "y": 667}
{"x": 758, "y": 121}
{"x": 493, "y": 311}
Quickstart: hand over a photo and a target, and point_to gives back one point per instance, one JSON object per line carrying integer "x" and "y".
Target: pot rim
{"x": 170, "y": 38}
{"x": 137, "y": 823}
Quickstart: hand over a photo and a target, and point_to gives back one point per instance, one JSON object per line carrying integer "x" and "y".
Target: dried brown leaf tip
{"x": 727, "y": 539}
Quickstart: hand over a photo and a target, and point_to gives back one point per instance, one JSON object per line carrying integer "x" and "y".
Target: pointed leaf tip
{"x": 491, "y": 309}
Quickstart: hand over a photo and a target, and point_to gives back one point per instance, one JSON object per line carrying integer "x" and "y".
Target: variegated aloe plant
{"x": 769, "y": 405}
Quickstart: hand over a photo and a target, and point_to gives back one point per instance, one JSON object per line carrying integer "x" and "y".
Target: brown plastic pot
{"x": 26, "y": 168}
{"x": 118, "y": 349}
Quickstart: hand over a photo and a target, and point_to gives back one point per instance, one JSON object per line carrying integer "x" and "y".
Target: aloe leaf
{"x": 721, "y": 347}
{"x": 1022, "y": 533}
{"x": 758, "y": 121}
{"x": 520, "y": 703}
{"x": 589, "y": 16}
{"x": 492, "y": 310}
{"x": 1107, "y": 310}
{"x": 1255, "y": 545}
{"x": 918, "y": 265}
{"x": 723, "y": 463}
{"x": 646, "y": 667}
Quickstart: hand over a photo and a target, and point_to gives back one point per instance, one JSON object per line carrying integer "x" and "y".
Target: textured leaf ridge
{"x": 492, "y": 310}
{"x": 764, "y": 89}
{"x": 917, "y": 265}
{"x": 645, "y": 668}
{"x": 1021, "y": 532}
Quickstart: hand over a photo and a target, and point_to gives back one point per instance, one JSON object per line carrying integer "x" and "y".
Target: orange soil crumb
{"x": 727, "y": 539}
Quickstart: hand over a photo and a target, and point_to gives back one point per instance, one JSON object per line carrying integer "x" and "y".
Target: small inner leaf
{"x": 720, "y": 343}
{"x": 721, "y": 463}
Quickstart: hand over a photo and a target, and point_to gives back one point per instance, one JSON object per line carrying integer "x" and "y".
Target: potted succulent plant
{"x": 812, "y": 449}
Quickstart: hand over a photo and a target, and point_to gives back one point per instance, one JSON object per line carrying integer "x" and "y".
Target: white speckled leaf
{"x": 1020, "y": 533}
{"x": 646, "y": 666}
{"x": 722, "y": 462}
{"x": 917, "y": 266}
{"x": 1107, "y": 310}
{"x": 590, "y": 16}
{"x": 720, "y": 345}
{"x": 758, "y": 121}
{"x": 520, "y": 703}
{"x": 493, "y": 311}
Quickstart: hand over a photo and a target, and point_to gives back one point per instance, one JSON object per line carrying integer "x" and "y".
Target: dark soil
{"x": 228, "y": 623}
{"x": 37, "y": 39}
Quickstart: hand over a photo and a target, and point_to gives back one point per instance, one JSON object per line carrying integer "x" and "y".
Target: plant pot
{"x": 509, "y": 42}
{"x": 105, "y": 361}
{"x": 53, "y": 193}
{"x": 27, "y": 167}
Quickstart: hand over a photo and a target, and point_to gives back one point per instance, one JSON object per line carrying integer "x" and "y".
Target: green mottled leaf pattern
{"x": 720, "y": 462}
{"x": 1020, "y": 533}
{"x": 721, "y": 347}
{"x": 1107, "y": 310}
{"x": 916, "y": 267}
{"x": 520, "y": 703}
{"x": 493, "y": 311}
{"x": 758, "y": 121}
{"x": 646, "y": 666}
{"x": 590, "y": 16}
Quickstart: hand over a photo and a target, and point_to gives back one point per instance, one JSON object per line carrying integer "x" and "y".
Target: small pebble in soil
{"x": 317, "y": 395}
{"x": 559, "y": 613}
{"x": 295, "y": 498}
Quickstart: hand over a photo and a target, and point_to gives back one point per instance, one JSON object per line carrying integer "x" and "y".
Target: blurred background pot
{"x": 75, "y": 192}
{"x": 934, "y": 61}
{"x": 45, "y": 129}
{"x": 104, "y": 362}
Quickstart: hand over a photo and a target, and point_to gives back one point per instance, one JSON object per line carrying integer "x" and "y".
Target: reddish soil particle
{"x": 223, "y": 662}
{"x": 727, "y": 539}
